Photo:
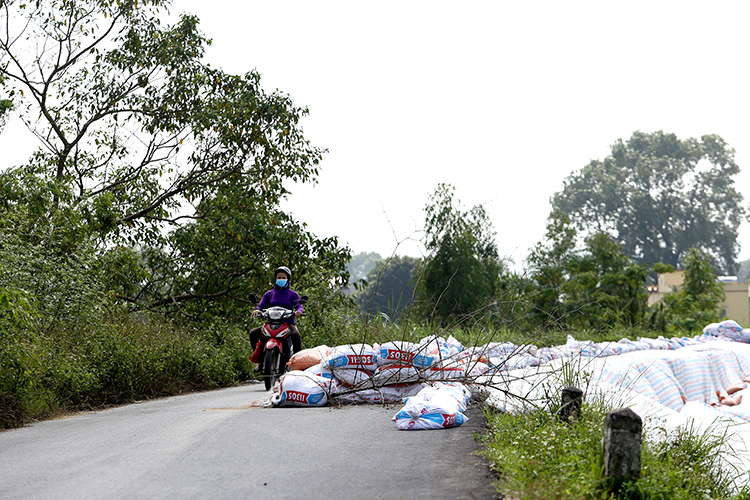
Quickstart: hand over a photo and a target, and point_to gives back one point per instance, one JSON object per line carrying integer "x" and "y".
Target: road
{"x": 221, "y": 444}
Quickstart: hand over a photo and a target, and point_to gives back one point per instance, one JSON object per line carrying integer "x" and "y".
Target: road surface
{"x": 221, "y": 444}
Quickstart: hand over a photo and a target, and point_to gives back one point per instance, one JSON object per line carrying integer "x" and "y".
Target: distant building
{"x": 736, "y": 306}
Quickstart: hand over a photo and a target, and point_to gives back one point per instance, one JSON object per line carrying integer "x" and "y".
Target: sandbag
{"x": 431, "y": 408}
{"x": 298, "y": 388}
{"x": 460, "y": 370}
{"x": 353, "y": 377}
{"x": 382, "y": 395}
{"x": 361, "y": 356}
{"x": 308, "y": 357}
{"x": 405, "y": 353}
{"x": 393, "y": 374}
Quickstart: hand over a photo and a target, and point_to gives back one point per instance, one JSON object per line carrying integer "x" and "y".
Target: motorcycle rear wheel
{"x": 271, "y": 367}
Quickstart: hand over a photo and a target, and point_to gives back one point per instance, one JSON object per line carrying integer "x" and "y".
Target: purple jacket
{"x": 281, "y": 297}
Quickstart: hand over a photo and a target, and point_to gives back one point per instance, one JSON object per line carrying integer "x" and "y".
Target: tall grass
{"x": 537, "y": 456}
{"x": 117, "y": 360}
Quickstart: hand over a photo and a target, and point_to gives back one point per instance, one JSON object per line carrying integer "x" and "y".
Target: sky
{"x": 502, "y": 100}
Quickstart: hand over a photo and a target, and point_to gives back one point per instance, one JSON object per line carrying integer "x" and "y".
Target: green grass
{"x": 113, "y": 362}
{"x": 539, "y": 457}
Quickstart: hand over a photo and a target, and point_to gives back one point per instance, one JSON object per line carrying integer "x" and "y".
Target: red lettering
{"x": 360, "y": 359}
{"x": 448, "y": 419}
{"x": 400, "y": 355}
{"x": 297, "y": 396}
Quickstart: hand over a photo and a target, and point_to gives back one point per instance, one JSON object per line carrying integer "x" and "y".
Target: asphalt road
{"x": 219, "y": 445}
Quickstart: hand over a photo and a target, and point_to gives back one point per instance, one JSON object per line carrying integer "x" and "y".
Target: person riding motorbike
{"x": 280, "y": 295}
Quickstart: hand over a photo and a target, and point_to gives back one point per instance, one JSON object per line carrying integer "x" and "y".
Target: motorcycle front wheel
{"x": 271, "y": 367}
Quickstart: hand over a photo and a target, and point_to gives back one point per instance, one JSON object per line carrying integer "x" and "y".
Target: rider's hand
{"x": 255, "y": 313}
{"x": 297, "y": 314}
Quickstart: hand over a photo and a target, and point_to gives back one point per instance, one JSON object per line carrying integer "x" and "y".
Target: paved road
{"x": 218, "y": 445}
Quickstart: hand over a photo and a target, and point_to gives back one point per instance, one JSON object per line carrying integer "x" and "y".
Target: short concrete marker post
{"x": 571, "y": 403}
{"x": 622, "y": 446}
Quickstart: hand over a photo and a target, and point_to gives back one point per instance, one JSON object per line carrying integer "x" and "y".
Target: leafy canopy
{"x": 660, "y": 196}
{"x": 461, "y": 272}
{"x": 173, "y": 168}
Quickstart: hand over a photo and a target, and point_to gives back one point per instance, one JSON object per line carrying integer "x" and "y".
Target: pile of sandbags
{"x": 384, "y": 373}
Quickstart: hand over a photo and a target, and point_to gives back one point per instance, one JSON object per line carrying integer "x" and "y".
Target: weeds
{"x": 540, "y": 457}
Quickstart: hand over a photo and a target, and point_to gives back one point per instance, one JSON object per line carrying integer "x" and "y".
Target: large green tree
{"x": 548, "y": 264}
{"x": 660, "y": 196}
{"x": 596, "y": 286}
{"x": 133, "y": 127}
{"x": 178, "y": 168}
{"x": 461, "y": 271}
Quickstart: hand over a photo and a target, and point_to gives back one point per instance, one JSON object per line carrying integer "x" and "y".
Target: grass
{"x": 537, "y": 456}
{"x": 113, "y": 362}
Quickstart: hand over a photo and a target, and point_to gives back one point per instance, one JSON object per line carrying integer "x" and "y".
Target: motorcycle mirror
{"x": 303, "y": 299}
{"x": 253, "y": 298}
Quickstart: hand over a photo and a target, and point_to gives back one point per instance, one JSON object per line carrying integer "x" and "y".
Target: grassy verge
{"x": 114, "y": 362}
{"x": 539, "y": 457}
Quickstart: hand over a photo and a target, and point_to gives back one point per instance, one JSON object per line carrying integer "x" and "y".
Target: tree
{"x": 548, "y": 264}
{"x": 176, "y": 167}
{"x": 390, "y": 287}
{"x": 462, "y": 268}
{"x": 597, "y": 286}
{"x": 359, "y": 267}
{"x": 659, "y": 196}
{"x": 696, "y": 304}
{"x": 605, "y": 288}
{"x": 134, "y": 129}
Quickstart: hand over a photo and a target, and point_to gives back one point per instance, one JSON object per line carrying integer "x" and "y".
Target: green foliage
{"x": 548, "y": 264}
{"x": 660, "y": 196}
{"x": 540, "y": 457}
{"x": 390, "y": 287}
{"x": 462, "y": 269}
{"x": 114, "y": 362}
{"x": 597, "y": 287}
{"x": 174, "y": 169}
{"x": 605, "y": 287}
{"x": 696, "y": 303}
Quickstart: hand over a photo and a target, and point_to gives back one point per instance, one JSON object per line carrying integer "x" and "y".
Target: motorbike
{"x": 275, "y": 347}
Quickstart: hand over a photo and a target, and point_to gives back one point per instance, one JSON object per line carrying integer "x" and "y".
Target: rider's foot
{"x": 259, "y": 369}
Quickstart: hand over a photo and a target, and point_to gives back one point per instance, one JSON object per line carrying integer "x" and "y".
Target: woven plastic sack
{"x": 361, "y": 356}
{"x": 395, "y": 374}
{"x": 298, "y": 388}
{"x": 431, "y": 408}
{"x": 308, "y": 357}
{"x": 383, "y": 395}
{"x": 353, "y": 377}
{"x": 405, "y": 353}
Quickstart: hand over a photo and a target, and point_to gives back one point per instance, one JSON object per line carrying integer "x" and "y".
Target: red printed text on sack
{"x": 299, "y": 397}
{"x": 449, "y": 419}
{"x": 363, "y": 359}
{"x": 400, "y": 355}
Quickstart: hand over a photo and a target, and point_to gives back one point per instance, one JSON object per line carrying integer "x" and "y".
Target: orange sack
{"x": 308, "y": 357}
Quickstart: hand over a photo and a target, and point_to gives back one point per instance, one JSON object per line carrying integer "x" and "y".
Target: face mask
{"x": 281, "y": 283}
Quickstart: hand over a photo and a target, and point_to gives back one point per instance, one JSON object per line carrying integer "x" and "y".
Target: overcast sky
{"x": 503, "y": 100}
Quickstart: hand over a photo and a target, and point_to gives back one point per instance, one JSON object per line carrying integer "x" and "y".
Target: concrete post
{"x": 571, "y": 403}
{"x": 622, "y": 446}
